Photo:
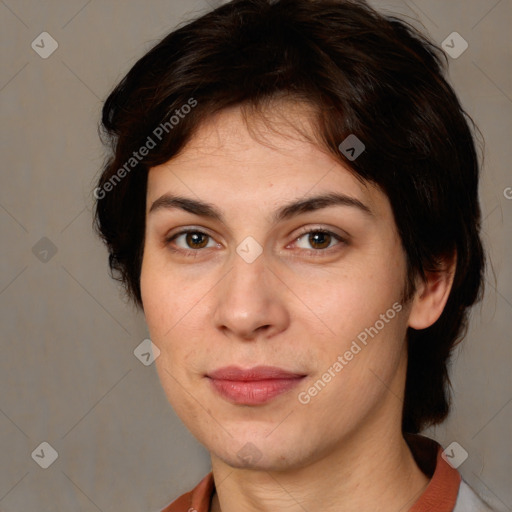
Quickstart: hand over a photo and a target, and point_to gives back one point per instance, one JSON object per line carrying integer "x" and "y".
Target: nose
{"x": 250, "y": 301}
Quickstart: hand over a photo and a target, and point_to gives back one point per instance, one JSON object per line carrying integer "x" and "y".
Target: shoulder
{"x": 469, "y": 501}
{"x": 447, "y": 489}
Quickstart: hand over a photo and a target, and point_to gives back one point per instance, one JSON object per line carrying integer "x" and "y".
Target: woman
{"x": 292, "y": 201}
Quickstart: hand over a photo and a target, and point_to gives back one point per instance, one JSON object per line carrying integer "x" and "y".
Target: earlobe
{"x": 431, "y": 296}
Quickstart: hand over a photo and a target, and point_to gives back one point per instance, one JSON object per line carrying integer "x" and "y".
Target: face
{"x": 243, "y": 269}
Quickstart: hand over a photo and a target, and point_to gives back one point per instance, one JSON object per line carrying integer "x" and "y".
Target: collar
{"x": 440, "y": 494}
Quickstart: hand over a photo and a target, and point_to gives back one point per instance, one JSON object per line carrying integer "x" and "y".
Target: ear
{"x": 432, "y": 294}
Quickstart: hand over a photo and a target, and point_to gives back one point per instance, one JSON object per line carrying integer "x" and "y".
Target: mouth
{"x": 254, "y": 386}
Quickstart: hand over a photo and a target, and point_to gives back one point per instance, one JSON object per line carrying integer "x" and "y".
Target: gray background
{"x": 68, "y": 375}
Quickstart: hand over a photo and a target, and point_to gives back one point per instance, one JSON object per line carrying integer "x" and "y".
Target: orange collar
{"x": 443, "y": 488}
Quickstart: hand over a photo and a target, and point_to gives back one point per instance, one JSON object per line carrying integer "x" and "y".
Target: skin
{"x": 298, "y": 306}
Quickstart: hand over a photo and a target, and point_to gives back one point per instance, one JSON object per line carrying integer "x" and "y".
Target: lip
{"x": 253, "y": 386}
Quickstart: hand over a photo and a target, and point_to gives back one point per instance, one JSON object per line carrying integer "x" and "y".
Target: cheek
{"x": 365, "y": 374}
{"x": 165, "y": 297}
{"x": 156, "y": 308}
{"x": 173, "y": 309}
{"x": 166, "y": 314}
{"x": 343, "y": 303}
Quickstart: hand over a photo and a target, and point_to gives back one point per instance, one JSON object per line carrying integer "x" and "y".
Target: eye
{"x": 190, "y": 239}
{"x": 189, "y": 242}
{"x": 319, "y": 239}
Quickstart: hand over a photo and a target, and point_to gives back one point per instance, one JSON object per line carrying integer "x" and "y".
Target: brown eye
{"x": 189, "y": 241}
{"x": 196, "y": 239}
{"x": 319, "y": 239}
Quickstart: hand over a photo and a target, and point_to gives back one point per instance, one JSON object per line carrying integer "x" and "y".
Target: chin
{"x": 262, "y": 455}
{"x": 267, "y": 462}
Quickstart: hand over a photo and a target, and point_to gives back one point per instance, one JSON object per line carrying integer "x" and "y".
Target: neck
{"x": 377, "y": 475}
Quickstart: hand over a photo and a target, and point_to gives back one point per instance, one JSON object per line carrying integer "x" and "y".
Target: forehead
{"x": 265, "y": 162}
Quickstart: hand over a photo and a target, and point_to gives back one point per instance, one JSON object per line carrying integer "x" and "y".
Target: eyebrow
{"x": 310, "y": 204}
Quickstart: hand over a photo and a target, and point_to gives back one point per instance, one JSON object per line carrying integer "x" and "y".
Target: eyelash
{"x": 315, "y": 252}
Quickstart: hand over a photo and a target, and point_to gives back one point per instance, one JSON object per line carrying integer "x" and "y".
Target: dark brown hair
{"x": 363, "y": 73}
